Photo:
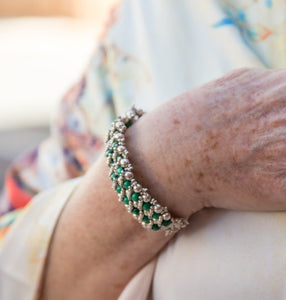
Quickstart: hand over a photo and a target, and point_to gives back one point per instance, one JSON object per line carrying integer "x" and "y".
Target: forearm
{"x": 98, "y": 246}
{"x": 217, "y": 146}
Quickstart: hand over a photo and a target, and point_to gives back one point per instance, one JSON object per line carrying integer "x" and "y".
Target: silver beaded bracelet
{"x": 146, "y": 210}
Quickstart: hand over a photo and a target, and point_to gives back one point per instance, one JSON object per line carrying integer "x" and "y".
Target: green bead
{"x": 146, "y": 219}
{"x": 125, "y": 200}
{"x": 118, "y": 189}
{"x": 135, "y": 211}
{"x": 113, "y": 176}
{"x": 155, "y": 227}
{"x": 126, "y": 184}
{"x": 128, "y": 124}
{"x": 135, "y": 197}
{"x": 146, "y": 205}
{"x": 118, "y": 156}
{"x": 111, "y": 164}
{"x": 108, "y": 152}
{"x": 166, "y": 222}
{"x": 156, "y": 216}
{"x": 114, "y": 144}
{"x": 119, "y": 170}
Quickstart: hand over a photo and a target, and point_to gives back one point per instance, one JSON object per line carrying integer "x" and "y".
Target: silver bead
{"x": 119, "y": 135}
{"x": 120, "y": 183}
{"x": 128, "y": 169}
{"x": 146, "y": 197}
{"x": 156, "y": 221}
{"x": 140, "y": 203}
{"x": 149, "y": 225}
{"x": 130, "y": 114}
{"x": 135, "y": 216}
{"x": 129, "y": 208}
{"x": 137, "y": 188}
{"x": 124, "y": 119}
{"x": 109, "y": 160}
{"x": 158, "y": 208}
{"x": 120, "y": 149}
{"x": 107, "y": 137}
{"x": 124, "y": 162}
{"x": 145, "y": 225}
{"x": 139, "y": 112}
{"x": 166, "y": 216}
{"x": 128, "y": 175}
{"x": 109, "y": 145}
{"x": 120, "y": 198}
{"x": 128, "y": 194}
{"x": 140, "y": 217}
{"x": 120, "y": 126}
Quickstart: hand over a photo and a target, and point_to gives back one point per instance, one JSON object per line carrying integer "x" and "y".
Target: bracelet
{"x": 146, "y": 210}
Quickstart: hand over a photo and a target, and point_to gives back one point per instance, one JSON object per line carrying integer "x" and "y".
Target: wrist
{"x": 156, "y": 151}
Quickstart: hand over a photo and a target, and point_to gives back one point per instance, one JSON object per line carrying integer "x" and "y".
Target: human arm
{"x": 126, "y": 242}
{"x": 227, "y": 154}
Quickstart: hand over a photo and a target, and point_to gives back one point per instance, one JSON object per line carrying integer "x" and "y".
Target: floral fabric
{"x": 149, "y": 52}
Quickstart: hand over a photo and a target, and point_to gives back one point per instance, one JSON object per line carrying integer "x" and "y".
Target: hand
{"x": 244, "y": 128}
{"x": 219, "y": 145}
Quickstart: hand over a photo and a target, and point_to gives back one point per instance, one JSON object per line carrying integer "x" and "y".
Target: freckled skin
{"x": 169, "y": 179}
{"x": 244, "y": 138}
{"x": 207, "y": 159}
{"x": 176, "y": 121}
{"x": 220, "y": 145}
{"x": 234, "y": 135}
{"x": 198, "y": 127}
{"x": 188, "y": 162}
{"x": 214, "y": 145}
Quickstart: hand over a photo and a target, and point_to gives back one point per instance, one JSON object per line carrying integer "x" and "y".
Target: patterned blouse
{"x": 149, "y": 52}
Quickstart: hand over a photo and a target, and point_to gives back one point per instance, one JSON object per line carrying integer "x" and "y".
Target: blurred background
{"x": 44, "y": 47}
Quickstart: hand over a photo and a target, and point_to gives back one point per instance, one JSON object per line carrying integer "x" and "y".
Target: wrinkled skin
{"x": 226, "y": 143}
{"x": 219, "y": 145}
{"x": 245, "y": 128}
